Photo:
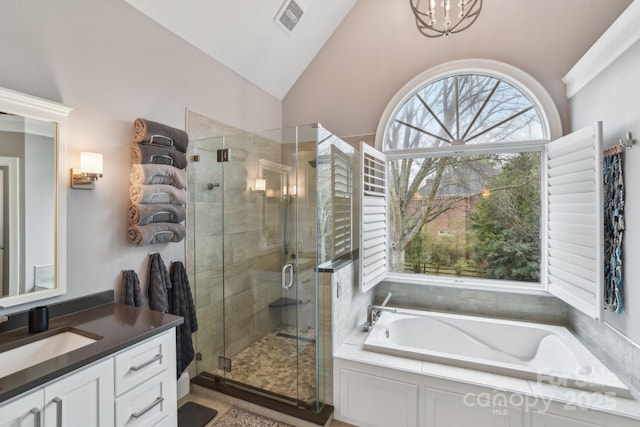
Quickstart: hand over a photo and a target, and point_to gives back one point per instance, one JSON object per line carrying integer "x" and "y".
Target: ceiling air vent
{"x": 289, "y": 15}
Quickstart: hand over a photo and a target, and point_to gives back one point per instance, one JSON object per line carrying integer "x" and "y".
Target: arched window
{"x": 463, "y": 109}
{"x": 464, "y": 144}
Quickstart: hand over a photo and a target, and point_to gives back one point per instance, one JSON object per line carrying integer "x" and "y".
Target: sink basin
{"x": 26, "y": 355}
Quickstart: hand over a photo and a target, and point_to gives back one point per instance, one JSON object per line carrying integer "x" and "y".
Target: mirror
{"x": 32, "y": 198}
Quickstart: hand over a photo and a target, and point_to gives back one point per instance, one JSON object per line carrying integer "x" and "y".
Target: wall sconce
{"x": 261, "y": 186}
{"x": 89, "y": 172}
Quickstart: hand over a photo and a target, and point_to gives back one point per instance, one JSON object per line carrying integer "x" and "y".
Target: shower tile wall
{"x": 252, "y": 274}
{"x": 349, "y": 303}
{"x": 343, "y": 308}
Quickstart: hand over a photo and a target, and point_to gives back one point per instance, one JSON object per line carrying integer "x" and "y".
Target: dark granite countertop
{"x": 115, "y": 326}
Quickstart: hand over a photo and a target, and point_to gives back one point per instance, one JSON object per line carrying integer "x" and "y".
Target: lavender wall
{"x": 112, "y": 64}
{"x": 377, "y": 49}
{"x": 612, "y": 97}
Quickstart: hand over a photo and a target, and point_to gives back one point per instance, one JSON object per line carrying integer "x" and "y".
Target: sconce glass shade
{"x": 91, "y": 163}
{"x": 261, "y": 184}
{"x": 89, "y": 172}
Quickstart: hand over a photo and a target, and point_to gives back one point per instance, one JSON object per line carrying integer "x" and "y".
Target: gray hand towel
{"x": 160, "y": 232}
{"x": 181, "y": 304}
{"x": 157, "y": 193}
{"x": 160, "y": 134}
{"x": 142, "y": 214}
{"x": 131, "y": 292}
{"x": 155, "y": 154}
{"x": 159, "y": 284}
{"x": 158, "y": 174}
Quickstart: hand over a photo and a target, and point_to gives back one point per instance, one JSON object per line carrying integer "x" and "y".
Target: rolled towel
{"x": 158, "y": 174}
{"x": 157, "y": 193}
{"x": 160, "y": 232}
{"x": 147, "y": 153}
{"x": 159, "y": 134}
{"x": 141, "y": 214}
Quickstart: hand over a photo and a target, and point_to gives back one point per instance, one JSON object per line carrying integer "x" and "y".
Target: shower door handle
{"x": 287, "y": 285}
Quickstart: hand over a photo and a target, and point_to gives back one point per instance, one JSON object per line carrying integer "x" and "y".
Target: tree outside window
{"x": 454, "y": 211}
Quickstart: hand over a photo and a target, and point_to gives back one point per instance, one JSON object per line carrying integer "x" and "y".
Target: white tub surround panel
{"x": 449, "y": 395}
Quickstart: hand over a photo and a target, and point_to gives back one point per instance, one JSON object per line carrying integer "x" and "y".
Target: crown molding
{"x": 620, "y": 36}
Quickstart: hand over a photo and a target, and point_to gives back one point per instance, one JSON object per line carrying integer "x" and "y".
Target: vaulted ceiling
{"x": 244, "y": 36}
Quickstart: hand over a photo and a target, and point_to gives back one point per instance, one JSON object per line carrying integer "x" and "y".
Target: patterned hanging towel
{"x": 131, "y": 293}
{"x": 613, "y": 230}
{"x": 159, "y": 284}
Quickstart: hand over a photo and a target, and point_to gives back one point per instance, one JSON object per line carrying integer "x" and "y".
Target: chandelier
{"x": 440, "y": 21}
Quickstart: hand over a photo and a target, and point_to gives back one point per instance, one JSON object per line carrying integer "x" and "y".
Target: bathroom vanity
{"x": 127, "y": 376}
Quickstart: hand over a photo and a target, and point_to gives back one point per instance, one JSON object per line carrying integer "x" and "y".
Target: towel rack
{"x": 153, "y": 215}
{"x": 169, "y": 149}
{"x": 169, "y": 140}
{"x": 162, "y": 156}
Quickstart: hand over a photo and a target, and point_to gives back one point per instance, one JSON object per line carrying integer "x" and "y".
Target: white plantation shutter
{"x": 373, "y": 227}
{"x": 342, "y": 195}
{"x": 574, "y": 243}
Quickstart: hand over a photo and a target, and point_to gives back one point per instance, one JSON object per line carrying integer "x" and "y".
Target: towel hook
{"x": 628, "y": 142}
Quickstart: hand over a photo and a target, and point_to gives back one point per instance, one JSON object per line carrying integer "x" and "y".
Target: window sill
{"x": 468, "y": 283}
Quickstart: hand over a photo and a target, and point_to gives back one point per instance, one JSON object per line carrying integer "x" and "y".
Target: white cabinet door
{"x": 447, "y": 409}
{"x": 83, "y": 399}
{"x": 25, "y": 411}
{"x": 377, "y": 402}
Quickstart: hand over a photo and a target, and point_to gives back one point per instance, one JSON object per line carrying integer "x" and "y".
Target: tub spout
{"x": 386, "y": 300}
{"x": 375, "y": 311}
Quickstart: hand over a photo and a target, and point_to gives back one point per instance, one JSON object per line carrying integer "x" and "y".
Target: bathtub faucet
{"x": 375, "y": 311}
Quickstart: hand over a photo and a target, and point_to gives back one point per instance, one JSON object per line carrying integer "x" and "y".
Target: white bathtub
{"x": 531, "y": 351}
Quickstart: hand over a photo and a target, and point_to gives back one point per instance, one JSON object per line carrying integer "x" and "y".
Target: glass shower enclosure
{"x": 262, "y": 216}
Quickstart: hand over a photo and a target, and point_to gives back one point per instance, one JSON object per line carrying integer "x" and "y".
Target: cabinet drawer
{"x": 149, "y": 403}
{"x": 143, "y": 361}
{"x": 23, "y": 411}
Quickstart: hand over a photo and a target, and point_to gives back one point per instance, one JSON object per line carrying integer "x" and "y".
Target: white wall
{"x": 613, "y": 97}
{"x": 377, "y": 49}
{"x": 111, "y": 64}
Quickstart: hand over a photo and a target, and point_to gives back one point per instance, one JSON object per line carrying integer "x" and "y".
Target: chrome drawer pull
{"x": 147, "y": 363}
{"x": 58, "y": 403}
{"x": 155, "y": 403}
{"x": 37, "y": 417}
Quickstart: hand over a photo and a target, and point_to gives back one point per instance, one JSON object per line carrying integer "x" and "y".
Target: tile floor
{"x": 270, "y": 364}
{"x": 224, "y": 404}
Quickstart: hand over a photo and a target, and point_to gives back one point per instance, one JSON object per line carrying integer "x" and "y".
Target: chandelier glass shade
{"x": 435, "y": 18}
